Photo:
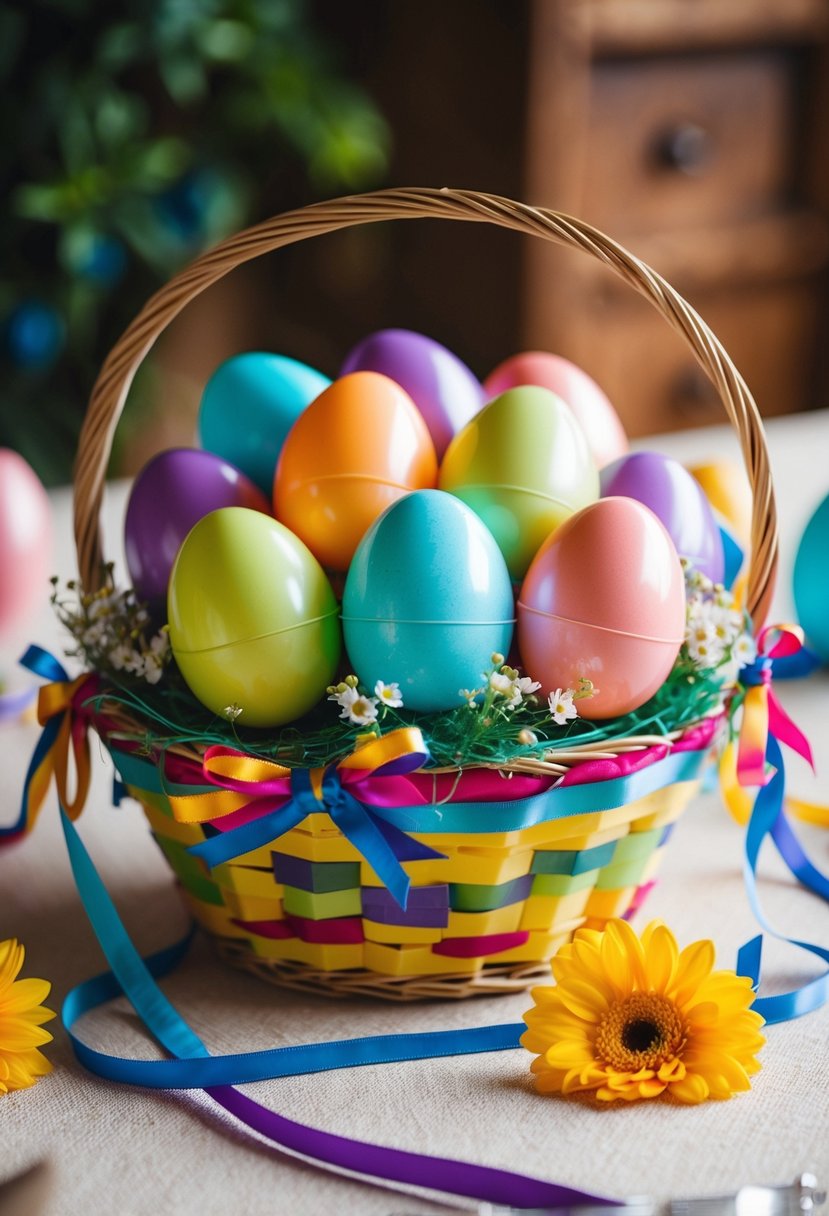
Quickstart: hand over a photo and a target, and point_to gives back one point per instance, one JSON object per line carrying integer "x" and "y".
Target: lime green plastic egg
{"x": 253, "y": 619}
{"x": 524, "y": 466}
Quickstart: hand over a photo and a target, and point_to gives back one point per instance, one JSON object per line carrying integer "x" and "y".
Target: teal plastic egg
{"x": 427, "y": 601}
{"x": 248, "y": 406}
{"x": 811, "y": 581}
{"x": 253, "y": 619}
{"x": 524, "y": 465}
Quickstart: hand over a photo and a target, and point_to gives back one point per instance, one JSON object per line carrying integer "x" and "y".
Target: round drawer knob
{"x": 685, "y": 147}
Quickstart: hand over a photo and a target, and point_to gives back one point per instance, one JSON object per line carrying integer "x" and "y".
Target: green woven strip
{"x": 468, "y": 897}
{"x": 562, "y": 884}
{"x": 637, "y": 844}
{"x": 625, "y": 874}
{"x": 326, "y": 905}
{"x": 189, "y": 871}
{"x": 564, "y": 861}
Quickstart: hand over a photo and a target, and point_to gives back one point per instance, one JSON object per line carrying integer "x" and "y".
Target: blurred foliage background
{"x": 135, "y": 134}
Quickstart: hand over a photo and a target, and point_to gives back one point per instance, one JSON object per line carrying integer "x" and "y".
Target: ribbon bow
{"x": 258, "y": 800}
{"x": 63, "y": 731}
{"x": 762, "y": 712}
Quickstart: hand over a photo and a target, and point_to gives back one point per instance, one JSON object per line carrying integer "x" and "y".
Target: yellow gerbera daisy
{"x": 630, "y": 1018}
{"x": 21, "y": 1020}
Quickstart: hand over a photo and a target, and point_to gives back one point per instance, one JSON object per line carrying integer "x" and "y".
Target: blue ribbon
{"x": 381, "y": 842}
{"x": 194, "y": 1067}
{"x": 768, "y": 818}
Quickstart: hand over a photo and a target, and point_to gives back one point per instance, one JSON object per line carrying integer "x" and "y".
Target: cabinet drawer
{"x": 688, "y": 140}
{"x": 653, "y": 379}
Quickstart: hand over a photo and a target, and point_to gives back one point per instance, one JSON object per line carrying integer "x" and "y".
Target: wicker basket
{"x": 307, "y": 910}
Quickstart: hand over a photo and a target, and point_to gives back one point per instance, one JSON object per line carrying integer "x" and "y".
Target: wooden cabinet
{"x": 695, "y": 132}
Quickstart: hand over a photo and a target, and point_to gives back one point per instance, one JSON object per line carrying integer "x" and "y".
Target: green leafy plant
{"x": 136, "y": 134}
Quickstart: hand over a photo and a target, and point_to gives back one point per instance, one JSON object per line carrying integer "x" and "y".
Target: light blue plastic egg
{"x": 427, "y": 601}
{"x": 248, "y": 406}
{"x": 811, "y": 581}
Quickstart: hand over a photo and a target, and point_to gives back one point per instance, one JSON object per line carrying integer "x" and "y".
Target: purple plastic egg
{"x": 441, "y": 386}
{"x": 677, "y": 499}
{"x": 173, "y": 492}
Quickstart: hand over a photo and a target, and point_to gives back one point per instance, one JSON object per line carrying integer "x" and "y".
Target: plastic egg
{"x": 355, "y": 450}
{"x": 427, "y": 601}
{"x": 441, "y": 386}
{"x": 25, "y": 542}
{"x": 523, "y": 465}
{"x": 811, "y": 581}
{"x": 604, "y": 599}
{"x": 173, "y": 492}
{"x": 253, "y": 620}
{"x": 677, "y": 499}
{"x": 726, "y": 486}
{"x": 248, "y": 406}
{"x": 598, "y": 419}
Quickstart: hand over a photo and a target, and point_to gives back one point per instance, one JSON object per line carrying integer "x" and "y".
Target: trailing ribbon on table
{"x": 264, "y": 800}
{"x": 759, "y": 762}
{"x": 64, "y": 732}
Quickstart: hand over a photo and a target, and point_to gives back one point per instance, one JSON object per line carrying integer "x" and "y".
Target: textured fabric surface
{"x": 121, "y": 1150}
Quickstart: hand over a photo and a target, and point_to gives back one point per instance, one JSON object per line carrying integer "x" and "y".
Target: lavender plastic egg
{"x": 441, "y": 386}
{"x": 173, "y": 492}
{"x": 677, "y": 499}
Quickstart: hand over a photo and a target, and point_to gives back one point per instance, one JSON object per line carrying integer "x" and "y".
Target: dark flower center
{"x": 640, "y": 1035}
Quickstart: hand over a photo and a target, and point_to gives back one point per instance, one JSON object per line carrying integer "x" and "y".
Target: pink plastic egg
{"x": 604, "y": 600}
{"x": 598, "y": 419}
{"x": 25, "y": 542}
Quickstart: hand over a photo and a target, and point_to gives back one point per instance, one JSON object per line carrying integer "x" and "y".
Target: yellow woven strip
{"x": 400, "y": 934}
{"x": 253, "y": 907}
{"x": 603, "y": 904}
{"x": 459, "y": 868}
{"x": 213, "y": 918}
{"x": 245, "y": 880}
{"x": 326, "y": 958}
{"x": 541, "y": 912}
{"x": 482, "y": 924}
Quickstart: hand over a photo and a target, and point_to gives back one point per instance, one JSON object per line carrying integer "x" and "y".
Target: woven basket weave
{"x": 487, "y": 916}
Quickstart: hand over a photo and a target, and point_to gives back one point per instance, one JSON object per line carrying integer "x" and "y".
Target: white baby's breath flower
{"x": 232, "y": 712}
{"x": 744, "y": 650}
{"x": 704, "y": 647}
{"x": 562, "y": 709}
{"x": 355, "y": 706}
{"x": 388, "y": 694}
{"x": 502, "y": 684}
{"x": 524, "y": 687}
{"x": 470, "y": 695}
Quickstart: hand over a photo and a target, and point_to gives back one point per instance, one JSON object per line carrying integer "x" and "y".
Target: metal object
{"x": 792, "y": 1199}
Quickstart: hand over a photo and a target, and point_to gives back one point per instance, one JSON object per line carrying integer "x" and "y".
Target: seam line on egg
{"x": 379, "y": 481}
{"x": 312, "y": 620}
{"x": 386, "y": 620}
{"x": 503, "y": 485}
{"x": 625, "y": 633}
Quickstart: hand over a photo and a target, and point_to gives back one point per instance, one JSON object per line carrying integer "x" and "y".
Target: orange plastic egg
{"x": 604, "y": 600}
{"x": 357, "y": 448}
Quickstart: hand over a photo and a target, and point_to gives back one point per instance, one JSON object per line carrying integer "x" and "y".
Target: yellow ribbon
{"x": 54, "y": 699}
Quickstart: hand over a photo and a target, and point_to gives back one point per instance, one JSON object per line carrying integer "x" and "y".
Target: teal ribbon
{"x": 195, "y": 1067}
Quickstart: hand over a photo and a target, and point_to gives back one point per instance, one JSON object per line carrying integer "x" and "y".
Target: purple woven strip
{"x": 427, "y": 908}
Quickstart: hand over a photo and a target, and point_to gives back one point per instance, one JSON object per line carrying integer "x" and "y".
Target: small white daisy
{"x": 355, "y": 706}
{"x": 562, "y": 709}
{"x": 388, "y": 694}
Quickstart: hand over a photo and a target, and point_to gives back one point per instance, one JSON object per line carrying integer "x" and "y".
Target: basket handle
{"x": 113, "y": 383}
